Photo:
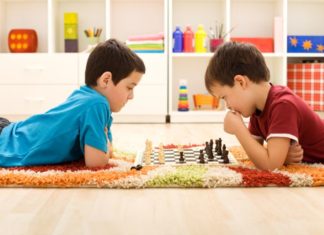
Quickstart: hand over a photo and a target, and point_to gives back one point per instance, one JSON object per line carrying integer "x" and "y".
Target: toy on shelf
{"x": 183, "y": 103}
{"x": 188, "y": 40}
{"x": 177, "y": 40}
{"x": 22, "y": 40}
{"x": 305, "y": 44}
{"x": 200, "y": 39}
{"x": 71, "y": 32}
{"x": 205, "y": 101}
{"x": 93, "y": 36}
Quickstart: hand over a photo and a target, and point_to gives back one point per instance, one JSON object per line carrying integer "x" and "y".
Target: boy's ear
{"x": 104, "y": 79}
{"x": 241, "y": 80}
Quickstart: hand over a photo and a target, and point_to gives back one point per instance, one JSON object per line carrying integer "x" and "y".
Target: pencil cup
{"x": 93, "y": 41}
{"x": 214, "y": 43}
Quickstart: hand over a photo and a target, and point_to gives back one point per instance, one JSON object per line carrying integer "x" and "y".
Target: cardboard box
{"x": 305, "y": 44}
{"x": 263, "y": 44}
{"x": 307, "y": 81}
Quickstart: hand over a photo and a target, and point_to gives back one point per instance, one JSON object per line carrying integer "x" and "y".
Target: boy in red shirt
{"x": 238, "y": 74}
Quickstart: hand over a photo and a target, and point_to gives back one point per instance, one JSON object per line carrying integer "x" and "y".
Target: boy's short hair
{"x": 113, "y": 56}
{"x": 234, "y": 58}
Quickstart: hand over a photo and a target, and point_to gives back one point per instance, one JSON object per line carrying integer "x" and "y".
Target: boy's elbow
{"x": 94, "y": 157}
{"x": 270, "y": 163}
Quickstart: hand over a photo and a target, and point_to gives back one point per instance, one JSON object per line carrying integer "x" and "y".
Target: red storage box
{"x": 263, "y": 44}
{"x": 307, "y": 81}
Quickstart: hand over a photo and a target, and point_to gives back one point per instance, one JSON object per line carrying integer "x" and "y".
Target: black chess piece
{"x": 225, "y": 156}
{"x": 219, "y": 149}
{"x": 209, "y": 153}
{"x": 216, "y": 145}
{"x": 206, "y": 146}
{"x": 211, "y": 143}
{"x": 224, "y": 147}
{"x": 181, "y": 159}
{"x": 201, "y": 156}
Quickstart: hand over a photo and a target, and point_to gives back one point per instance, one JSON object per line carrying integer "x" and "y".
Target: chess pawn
{"x": 225, "y": 156}
{"x": 181, "y": 159}
{"x": 224, "y": 148}
{"x": 201, "y": 156}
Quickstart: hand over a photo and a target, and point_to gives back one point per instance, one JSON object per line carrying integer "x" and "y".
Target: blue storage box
{"x": 305, "y": 44}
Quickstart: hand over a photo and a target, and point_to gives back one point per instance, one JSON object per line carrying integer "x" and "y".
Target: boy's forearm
{"x": 256, "y": 151}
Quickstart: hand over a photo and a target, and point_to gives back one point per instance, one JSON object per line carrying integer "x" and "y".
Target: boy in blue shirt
{"x": 79, "y": 127}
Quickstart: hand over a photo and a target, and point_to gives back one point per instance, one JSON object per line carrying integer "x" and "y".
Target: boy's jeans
{"x": 3, "y": 123}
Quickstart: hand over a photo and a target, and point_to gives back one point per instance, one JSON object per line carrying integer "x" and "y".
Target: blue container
{"x": 177, "y": 40}
{"x": 305, "y": 44}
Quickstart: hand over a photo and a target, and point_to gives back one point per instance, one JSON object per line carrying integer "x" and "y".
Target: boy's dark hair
{"x": 234, "y": 58}
{"x": 113, "y": 56}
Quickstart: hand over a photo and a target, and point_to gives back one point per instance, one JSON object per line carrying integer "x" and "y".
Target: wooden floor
{"x": 163, "y": 211}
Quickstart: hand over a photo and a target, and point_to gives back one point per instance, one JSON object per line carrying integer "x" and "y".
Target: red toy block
{"x": 22, "y": 40}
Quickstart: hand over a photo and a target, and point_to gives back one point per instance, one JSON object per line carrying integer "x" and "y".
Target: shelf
{"x": 123, "y": 18}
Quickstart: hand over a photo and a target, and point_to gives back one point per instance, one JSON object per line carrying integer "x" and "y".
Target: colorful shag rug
{"x": 118, "y": 175}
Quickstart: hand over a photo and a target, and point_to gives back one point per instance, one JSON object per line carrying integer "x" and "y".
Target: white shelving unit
{"x": 57, "y": 73}
{"x": 31, "y": 83}
{"x": 250, "y": 18}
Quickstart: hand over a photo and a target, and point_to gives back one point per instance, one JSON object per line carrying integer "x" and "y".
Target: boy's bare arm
{"x": 268, "y": 158}
{"x": 94, "y": 157}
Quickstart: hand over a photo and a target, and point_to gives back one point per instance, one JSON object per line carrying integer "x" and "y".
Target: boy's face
{"x": 238, "y": 98}
{"x": 119, "y": 94}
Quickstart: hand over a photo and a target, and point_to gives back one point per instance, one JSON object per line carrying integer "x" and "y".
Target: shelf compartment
{"x": 91, "y": 13}
{"x": 24, "y": 15}
{"x": 129, "y": 18}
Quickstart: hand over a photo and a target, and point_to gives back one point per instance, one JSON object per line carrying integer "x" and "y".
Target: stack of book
{"x": 149, "y": 43}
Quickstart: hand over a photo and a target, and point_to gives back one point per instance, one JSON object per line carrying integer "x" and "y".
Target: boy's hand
{"x": 295, "y": 154}
{"x": 233, "y": 122}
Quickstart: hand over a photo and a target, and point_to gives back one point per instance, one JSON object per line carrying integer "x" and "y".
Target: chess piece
{"x": 209, "y": 151}
{"x": 148, "y": 152}
{"x": 181, "y": 159}
{"x": 211, "y": 143}
{"x": 224, "y": 149}
{"x": 161, "y": 156}
{"x": 201, "y": 156}
{"x": 216, "y": 145}
{"x": 225, "y": 157}
{"x": 219, "y": 150}
{"x": 206, "y": 145}
{"x": 180, "y": 150}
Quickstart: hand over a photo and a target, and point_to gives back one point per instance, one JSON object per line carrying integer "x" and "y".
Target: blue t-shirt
{"x": 60, "y": 134}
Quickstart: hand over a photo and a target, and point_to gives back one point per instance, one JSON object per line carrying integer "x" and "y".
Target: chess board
{"x": 191, "y": 156}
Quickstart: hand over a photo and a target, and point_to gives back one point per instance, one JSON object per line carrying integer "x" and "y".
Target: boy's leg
{"x": 3, "y": 123}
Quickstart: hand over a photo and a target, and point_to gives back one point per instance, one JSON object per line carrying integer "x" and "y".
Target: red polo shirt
{"x": 287, "y": 115}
